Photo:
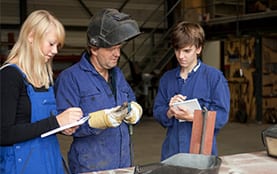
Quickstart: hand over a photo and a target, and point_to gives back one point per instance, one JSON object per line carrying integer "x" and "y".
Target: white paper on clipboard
{"x": 189, "y": 105}
{"x": 81, "y": 121}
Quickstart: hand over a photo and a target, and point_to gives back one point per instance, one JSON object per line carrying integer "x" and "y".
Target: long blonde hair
{"x": 28, "y": 56}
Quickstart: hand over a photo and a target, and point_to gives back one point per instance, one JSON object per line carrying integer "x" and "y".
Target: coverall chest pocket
{"x": 123, "y": 95}
{"x": 92, "y": 98}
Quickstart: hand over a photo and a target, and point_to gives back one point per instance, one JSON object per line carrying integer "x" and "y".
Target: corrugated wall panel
{"x": 9, "y": 10}
{"x": 75, "y": 19}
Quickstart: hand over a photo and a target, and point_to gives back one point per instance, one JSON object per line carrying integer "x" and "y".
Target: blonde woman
{"x": 28, "y": 106}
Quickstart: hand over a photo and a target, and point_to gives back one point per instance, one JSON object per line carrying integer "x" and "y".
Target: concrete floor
{"x": 148, "y": 137}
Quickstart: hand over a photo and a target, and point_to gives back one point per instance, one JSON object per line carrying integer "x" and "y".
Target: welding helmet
{"x": 110, "y": 27}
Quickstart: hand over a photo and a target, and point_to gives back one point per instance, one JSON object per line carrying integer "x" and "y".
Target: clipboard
{"x": 80, "y": 122}
{"x": 190, "y": 105}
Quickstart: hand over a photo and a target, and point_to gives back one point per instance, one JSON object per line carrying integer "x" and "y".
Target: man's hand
{"x": 108, "y": 117}
{"x": 179, "y": 112}
{"x": 135, "y": 114}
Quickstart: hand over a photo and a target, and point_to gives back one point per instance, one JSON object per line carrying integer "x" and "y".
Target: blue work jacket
{"x": 95, "y": 149}
{"x": 205, "y": 83}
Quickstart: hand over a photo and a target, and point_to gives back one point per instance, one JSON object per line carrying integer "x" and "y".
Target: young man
{"x": 98, "y": 87}
{"x": 191, "y": 79}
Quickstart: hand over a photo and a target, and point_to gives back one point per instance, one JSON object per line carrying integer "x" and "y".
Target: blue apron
{"x": 38, "y": 155}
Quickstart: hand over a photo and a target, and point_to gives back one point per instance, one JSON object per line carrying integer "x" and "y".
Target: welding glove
{"x": 134, "y": 114}
{"x": 107, "y": 118}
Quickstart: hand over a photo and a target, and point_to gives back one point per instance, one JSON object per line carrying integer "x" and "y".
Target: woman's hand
{"x": 70, "y": 115}
{"x": 70, "y": 131}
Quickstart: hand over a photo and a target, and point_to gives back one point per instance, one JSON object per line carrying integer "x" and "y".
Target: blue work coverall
{"x": 205, "y": 83}
{"x": 38, "y": 155}
{"x": 95, "y": 149}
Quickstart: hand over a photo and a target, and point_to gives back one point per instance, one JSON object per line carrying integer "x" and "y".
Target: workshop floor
{"x": 148, "y": 137}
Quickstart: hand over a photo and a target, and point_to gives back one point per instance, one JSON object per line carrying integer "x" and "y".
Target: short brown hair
{"x": 187, "y": 34}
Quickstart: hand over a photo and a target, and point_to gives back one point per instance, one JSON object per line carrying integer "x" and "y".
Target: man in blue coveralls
{"x": 98, "y": 87}
{"x": 191, "y": 79}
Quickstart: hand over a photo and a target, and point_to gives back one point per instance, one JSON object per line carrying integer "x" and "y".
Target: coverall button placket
{"x": 44, "y": 101}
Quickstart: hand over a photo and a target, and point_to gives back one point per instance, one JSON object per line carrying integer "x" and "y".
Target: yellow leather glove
{"x": 107, "y": 118}
{"x": 135, "y": 114}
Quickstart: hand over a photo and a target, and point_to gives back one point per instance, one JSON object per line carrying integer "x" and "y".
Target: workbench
{"x": 244, "y": 163}
{"x": 248, "y": 163}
